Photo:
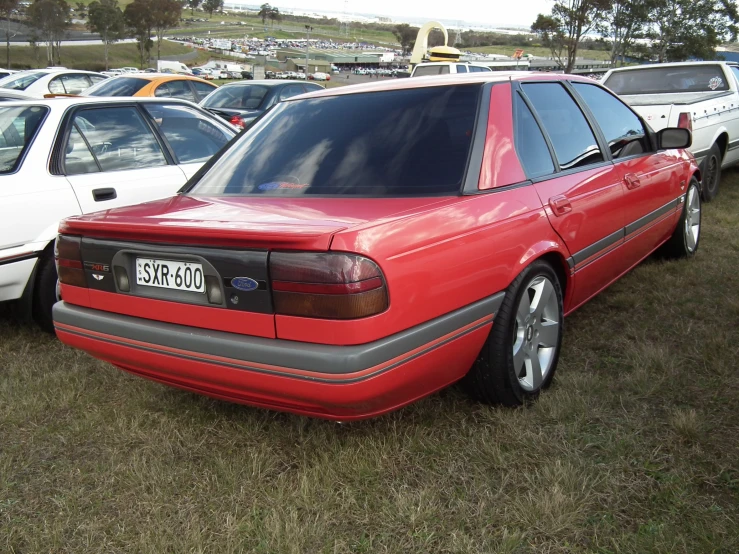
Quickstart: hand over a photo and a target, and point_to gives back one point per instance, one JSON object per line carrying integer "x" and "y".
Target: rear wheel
{"x": 685, "y": 239}
{"x": 711, "y": 174}
{"x": 46, "y": 292}
{"x": 521, "y": 353}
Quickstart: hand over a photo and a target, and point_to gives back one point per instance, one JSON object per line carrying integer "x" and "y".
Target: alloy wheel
{"x": 536, "y": 335}
{"x": 692, "y": 219}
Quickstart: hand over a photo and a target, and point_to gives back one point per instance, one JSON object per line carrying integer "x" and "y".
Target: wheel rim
{"x": 712, "y": 173}
{"x": 692, "y": 219}
{"x": 536, "y": 336}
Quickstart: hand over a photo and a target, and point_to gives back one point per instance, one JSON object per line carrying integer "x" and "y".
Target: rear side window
{"x": 405, "y": 142}
{"x": 572, "y": 138}
{"x": 119, "y": 86}
{"x": 461, "y": 69}
{"x": 531, "y": 147}
{"x": 18, "y": 127}
{"x": 203, "y": 89}
{"x": 69, "y": 84}
{"x": 665, "y": 80}
{"x": 423, "y": 70}
{"x": 291, "y": 90}
{"x": 238, "y": 97}
{"x": 623, "y": 130}
{"x": 192, "y": 136}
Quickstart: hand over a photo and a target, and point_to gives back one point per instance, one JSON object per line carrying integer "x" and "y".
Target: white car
{"x": 445, "y": 68}
{"x": 130, "y": 70}
{"x": 70, "y": 156}
{"x": 320, "y": 76}
{"x": 39, "y": 82}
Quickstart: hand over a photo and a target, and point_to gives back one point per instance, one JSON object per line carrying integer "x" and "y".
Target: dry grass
{"x": 633, "y": 450}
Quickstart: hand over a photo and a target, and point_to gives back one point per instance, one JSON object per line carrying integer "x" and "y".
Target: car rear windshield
{"x": 18, "y": 126}
{"x": 23, "y": 81}
{"x": 119, "y": 86}
{"x": 665, "y": 80}
{"x": 404, "y": 142}
{"x": 424, "y": 70}
{"x": 238, "y": 97}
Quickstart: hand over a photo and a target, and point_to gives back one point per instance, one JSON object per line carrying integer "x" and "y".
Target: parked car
{"x": 319, "y": 76}
{"x": 68, "y": 156}
{"x": 186, "y": 87}
{"x": 241, "y": 103}
{"x": 445, "y": 68}
{"x": 6, "y": 72}
{"x": 39, "y": 82}
{"x": 362, "y": 247}
{"x": 700, "y": 96}
{"x": 7, "y": 95}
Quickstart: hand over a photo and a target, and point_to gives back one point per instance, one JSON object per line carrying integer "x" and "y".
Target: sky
{"x": 492, "y": 12}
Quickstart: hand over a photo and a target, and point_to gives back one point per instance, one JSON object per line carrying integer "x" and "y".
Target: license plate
{"x": 167, "y": 274}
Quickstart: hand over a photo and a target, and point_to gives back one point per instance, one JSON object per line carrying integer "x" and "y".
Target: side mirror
{"x": 674, "y": 138}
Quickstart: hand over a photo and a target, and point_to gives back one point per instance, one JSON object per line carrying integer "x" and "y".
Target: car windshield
{"x": 22, "y": 81}
{"x": 237, "y": 97}
{"x": 118, "y": 86}
{"x": 665, "y": 80}
{"x": 404, "y": 142}
{"x": 18, "y": 126}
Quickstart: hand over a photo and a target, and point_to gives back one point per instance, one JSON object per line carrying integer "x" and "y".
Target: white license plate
{"x": 167, "y": 274}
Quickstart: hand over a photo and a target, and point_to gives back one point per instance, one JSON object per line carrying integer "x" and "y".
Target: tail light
{"x": 68, "y": 256}
{"x": 685, "y": 121}
{"x": 237, "y": 120}
{"x": 328, "y": 286}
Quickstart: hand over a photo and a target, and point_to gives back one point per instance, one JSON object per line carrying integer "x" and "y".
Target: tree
{"x": 139, "y": 19}
{"x": 211, "y": 6}
{"x": 165, "y": 14}
{"x": 622, "y": 22}
{"x": 274, "y": 15}
{"x": 562, "y": 30}
{"x": 406, "y": 36}
{"x": 7, "y": 7}
{"x": 106, "y": 19}
{"x": 51, "y": 19}
{"x": 193, "y": 5}
{"x": 683, "y": 28}
{"x": 264, "y": 11}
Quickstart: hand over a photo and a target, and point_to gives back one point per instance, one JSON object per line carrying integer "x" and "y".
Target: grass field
{"x": 634, "y": 449}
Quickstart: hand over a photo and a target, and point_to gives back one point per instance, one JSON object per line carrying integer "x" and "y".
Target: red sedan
{"x": 362, "y": 247}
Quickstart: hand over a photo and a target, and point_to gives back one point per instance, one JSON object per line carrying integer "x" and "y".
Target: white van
{"x": 177, "y": 67}
{"x": 446, "y": 68}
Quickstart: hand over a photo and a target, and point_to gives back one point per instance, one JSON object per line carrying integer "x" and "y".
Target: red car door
{"x": 580, "y": 189}
{"x": 653, "y": 182}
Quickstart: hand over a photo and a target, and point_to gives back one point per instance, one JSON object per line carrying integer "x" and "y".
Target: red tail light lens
{"x": 685, "y": 121}
{"x": 68, "y": 254}
{"x": 237, "y": 120}
{"x": 327, "y": 286}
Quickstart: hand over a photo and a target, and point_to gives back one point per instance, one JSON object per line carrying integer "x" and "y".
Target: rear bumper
{"x": 335, "y": 382}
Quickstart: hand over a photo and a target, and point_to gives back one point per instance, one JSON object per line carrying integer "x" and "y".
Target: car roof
{"x": 265, "y": 82}
{"x": 64, "y": 102}
{"x": 446, "y": 80}
{"x": 159, "y": 77}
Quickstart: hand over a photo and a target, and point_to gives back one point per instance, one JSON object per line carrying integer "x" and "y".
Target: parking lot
{"x": 633, "y": 450}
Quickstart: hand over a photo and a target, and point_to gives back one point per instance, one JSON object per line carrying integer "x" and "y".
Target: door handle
{"x": 100, "y": 195}
{"x": 632, "y": 181}
{"x": 560, "y": 205}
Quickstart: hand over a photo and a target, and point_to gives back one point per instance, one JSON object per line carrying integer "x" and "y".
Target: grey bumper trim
{"x": 319, "y": 358}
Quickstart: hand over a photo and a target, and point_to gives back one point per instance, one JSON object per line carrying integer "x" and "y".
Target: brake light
{"x": 328, "y": 286}
{"x": 685, "y": 121}
{"x": 237, "y": 120}
{"x": 68, "y": 256}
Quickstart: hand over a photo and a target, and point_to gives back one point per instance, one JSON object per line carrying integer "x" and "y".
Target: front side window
{"x": 118, "y": 86}
{"x": 622, "y": 128}
{"x": 18, "y": 127}
{"x": 405, "y": 142}
{"x": 175, "y": 89}
{"x": 202, "y": 89}
{"x": 572, "y": 138}
{"x": 192, "y": 136}
{"x": 118, "y": 138}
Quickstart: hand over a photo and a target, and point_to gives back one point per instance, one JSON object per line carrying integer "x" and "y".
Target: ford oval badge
{"x": 244, "y": 283}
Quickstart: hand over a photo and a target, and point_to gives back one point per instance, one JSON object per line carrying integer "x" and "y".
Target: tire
{"x": 685, "y": 239}
{"x": 45, "y": 293}
{"x": 711, "y": 174}
{"x": 529, "y": 320}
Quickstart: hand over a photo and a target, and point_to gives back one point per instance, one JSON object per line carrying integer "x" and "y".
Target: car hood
{"x": 255, "y": 222}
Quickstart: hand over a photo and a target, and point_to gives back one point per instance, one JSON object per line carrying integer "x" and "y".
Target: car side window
{"x": 461, "y": 69}
{"x": 531, "y": 147}
{"x": 56, "y": 86}
{"x": 291, "y": 90}
{"x": 78, "y": 160}
{"x": 119, "y": 138}
{"x": 95, "y": 79}
{"x": 202, "y": 89}
{"x": 75, "y": 84}
{"x": 572, "y": 138}
{"x": 311, "y": 87}
{"x": 175, "y": 89}
{"x": 622, "y": 128}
